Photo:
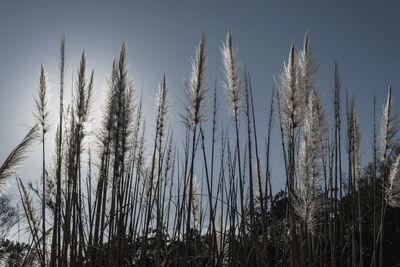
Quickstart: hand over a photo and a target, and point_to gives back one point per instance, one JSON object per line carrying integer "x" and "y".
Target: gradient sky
{"x": 363, "y": 37}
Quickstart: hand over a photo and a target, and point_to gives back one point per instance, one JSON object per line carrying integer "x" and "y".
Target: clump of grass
{"x": 115, "y": 208}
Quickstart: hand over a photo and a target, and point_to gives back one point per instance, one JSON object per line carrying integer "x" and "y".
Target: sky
{"x": 362, "y": 36}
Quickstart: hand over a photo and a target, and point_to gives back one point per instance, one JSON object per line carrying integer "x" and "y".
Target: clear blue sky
{"x": 363, "y": 36}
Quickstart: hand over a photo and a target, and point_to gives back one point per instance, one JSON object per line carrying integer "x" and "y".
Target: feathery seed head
{"x": 389, "y": 128}
{"x": 41, "y": 101}
{"x": 306, "y": 206}
{"x": 305, "y": 201}
{"x": 291, "y": 97}
{"x": 307, "y": 68}
{"x": 196, "y": 89}
{"x": 162, "y": 107}
{"x": 83, "y": 92}
{"x": 355, "y": 140}
{"x": 232, "y": 76}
